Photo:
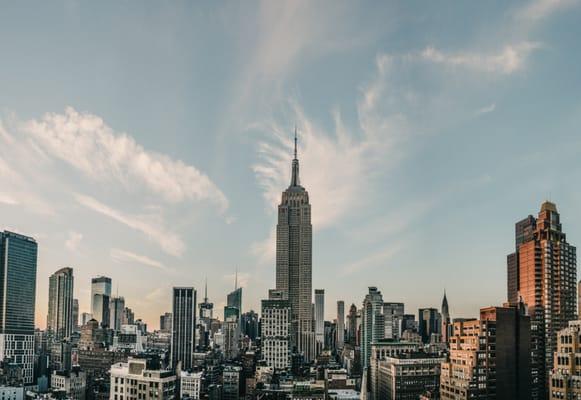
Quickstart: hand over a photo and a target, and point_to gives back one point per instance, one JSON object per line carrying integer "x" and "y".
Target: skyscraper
{"x": 294, "y": 245}
{"x": 116, "y": 309}
{"x": 372, "y": 324}
{"x": 100, "y": 297}
{"x": 59, "y": 322}
{"x": 206, "y": 308}
{"x": 320, "y": 318}
{"x": 393, "y": 314}
{"x": 76, "y": 315}
{"x": 340, "y": 325}
{"x": 429, "y": 322}
{"x": 234, "y": 300}
{"x": 18, "y": 256}
{"x": 543, "y": 272}
{"x": 183, "y": 336}
{"x": 275, "y": 335}
{"x": 352, "y": 325}
{"x": 446, "y": 331}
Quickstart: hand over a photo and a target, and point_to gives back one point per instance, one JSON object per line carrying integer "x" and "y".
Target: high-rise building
{"x": 18, "y": 255}
{"x": 206, "y": 308}
{"x": 183, "y": 336}
{"x": 543, "y": 273}
{"x": 116, "y": 309}
{"x": 352, "y": 325}
{"x": 565, "y": 382}
{"x": 86, "y": 317}
{"x": 446, "y": 327}
{"x": 275, "y": 330}
{"x": 76, "y": 315}
{"x": 429, "y": 321}
{"x": 234, "y": 300}
{"x": 128, "y": 316}
{"x": 100, "y": 296}
{"x": 59, "y": 322}
{"x": 165, "y": 321}
{"x": 320, "y": 318}
{"x": 393, "y": 313}
{"x": 340, "y": 324}
{"x": 489, "y": 358}
{"x": 294, "y": 243}
{"x": 372, "y": 324}
{"x": 381, "y": 350}
{"x": 249, "y": 324}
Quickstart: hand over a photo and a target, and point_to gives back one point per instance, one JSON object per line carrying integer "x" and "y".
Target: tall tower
{"x": 100, "y": 297}
{"x": 372, "y": 323}
{"x": 320, "y": 318}
{"x": 543, "y": 272}
{"x": 340, "y": 325}
{"x": 183, "y": 335}
{"x": 446, "y": 331}
{"x": 294, "y": 243}
{"x": 60, "y": 322}
{"x": 116, "y": 308}
{"x": 18, "y": 255}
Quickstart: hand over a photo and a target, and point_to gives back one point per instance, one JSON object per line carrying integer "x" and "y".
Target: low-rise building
{"x": 565, "y": 381}
{"x": 190, "y": 384}
{"x": 73, "y": 383}
{"x": 132, "y": 380}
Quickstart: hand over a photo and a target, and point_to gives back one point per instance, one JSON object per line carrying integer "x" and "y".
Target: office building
{"x": 165, "y": 321}
{"x": 352, "y": 326}
{"x": 116, "y": 310}
{"x": 320, "y": 318}
{"x": 206, "y": 308}
{"x": 190, "y": 384}
{"x": 275, "y": 330}
{"x": 543, "y": 273}
{"x": 249, "y": 325}
{"x": 372, "y": 324}
{"x": 294, "y": 245}
{"x": 18, "y": 256}
{"x": 132, "y": 379}
{"x": 393, "y": 314}
{"x": 59, "y": 322}
{"x": 429, "y": 323}
{"x": 565, "y": 380}
{"x": 183, "y": 327}
{"x": 100, "y": 296}
{"x": 489, "y": 358}
{"x": 76, "y": 315}
{"x": 340, "y": 324}
{"x": 231, "y": 382}
{"x": 73, "y": 383}
{"x": 128, "y": 316}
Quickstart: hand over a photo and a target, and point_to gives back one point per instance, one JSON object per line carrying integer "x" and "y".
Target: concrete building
{"x": 408, "y": 375}
{"x": 294, "y": 243}
{"x": 73, "y": 383}
{"x": 59, "y": 322}
{"x": 165, "y": 321}
{"x": 275, "y": 330}
{"x": 100, "y": 296}
{"x": 190, "y": 384}
{"x": 393, "y": 314}
{"x": 340, "y": 325}
{"x": 565, "y": 379}
{"x": 132, "y": 380}
{"x": 320, "y": 319}
{"x": 489, "y": 358}
{"x": 18, "y": 256}
{"x": 372, "y": 324}
{"x": 231, "y": 381}
{"x": 183, "y": 342}
{"x": 116, "y": 310}
{"x": 11, "y": 393}
{"x": 543, "y": 272}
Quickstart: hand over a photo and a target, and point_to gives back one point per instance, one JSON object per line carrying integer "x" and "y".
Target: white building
{"x": 190, "y": 384}
{"x": 275, "y": 320}
{"x": 320, "y": 319}
{"x": 11, "y": 393}
{"x": 133, "y": 380}
{"x": 73, "y": 383}
{"x": 129, "y": 337}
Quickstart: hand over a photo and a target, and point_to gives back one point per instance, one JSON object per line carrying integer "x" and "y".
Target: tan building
{"x": 381, "y": 350}
{"x": 565, "y": 381}
{"x": 489, "y": 358}
{"x": 132, "y": 381}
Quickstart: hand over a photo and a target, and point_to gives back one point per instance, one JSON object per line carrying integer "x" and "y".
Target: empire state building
{"x": 294, "y": 265}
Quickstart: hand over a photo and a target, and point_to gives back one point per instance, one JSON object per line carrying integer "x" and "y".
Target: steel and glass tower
{"x": 60, "y": 321}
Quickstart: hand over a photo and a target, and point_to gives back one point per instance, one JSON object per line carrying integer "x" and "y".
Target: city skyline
{"x": 138, "y": 167}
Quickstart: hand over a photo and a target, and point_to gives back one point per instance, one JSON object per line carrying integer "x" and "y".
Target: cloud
{"x": 170, "y": 242}
{"x": 486, "y": 109}
{"x": 537, "y": 10}
{"x": 510, "y": 59}
{"x": 85, "y": 142}
{"x": 376, "y": 259}
{"x": 73, "y": 241}
{"x": 124, "y": 256}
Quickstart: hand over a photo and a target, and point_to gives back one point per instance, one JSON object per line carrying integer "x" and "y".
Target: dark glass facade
{"x": 183, "y": 326}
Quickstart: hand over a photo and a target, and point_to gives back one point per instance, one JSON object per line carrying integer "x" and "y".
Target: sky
{"x": 150, "y": 142}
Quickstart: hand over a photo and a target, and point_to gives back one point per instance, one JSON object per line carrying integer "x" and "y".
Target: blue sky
{"x": 150, "y": 142}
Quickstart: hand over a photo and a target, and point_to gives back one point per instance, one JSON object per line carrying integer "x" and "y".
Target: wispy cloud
{"x": 508, "y": 60}
{"x": 73, "y": 241}
{"x": 379, "y": 258}
{"x": 170, "y": 242}
{"x": 124, "y": 256}
{"x": 87, "y": 143}
{"x": 486, "y": 109}
{"x": 537, "y": 10}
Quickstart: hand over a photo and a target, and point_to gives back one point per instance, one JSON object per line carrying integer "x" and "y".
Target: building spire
{"x": 295, "y": 166}
{"x": 206, "y": 291}
{"x": 236, "y": 280}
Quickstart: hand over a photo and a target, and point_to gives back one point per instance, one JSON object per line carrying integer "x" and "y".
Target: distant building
{"x": 134, "y": 379}
{"x": 429, "y": 321}
{"x": 59, "y": 322}
{"x": 565, "y": 380}
{"x": 393, "y": 315}
{"x": 73, "y": 383}
{"x": 116, "y": 310}
{"x": 100, "y": 296}
{"x": 340, "y": 324}
{"x": 352, "y": 325}
{"x": 231, "y": 381}
{"x": 12, "y": 392}
{"x": 76, "y": 315}
{"x": 18, "y": 256}
{"x": 408, "y": 375}
{"x": 372, "y": 324}
{"x": 320, "y": 318}
{"x": 86, "y": 317}
{"x": 234, "y": 300}
{"x": 490, "y": 357}
{"x": 183, "y": 341}
{"x": 128, "y": 338}
{"x": 165, "y": 321}
{"x": 275, "y": 330}
{"x": 446, "y": 326}
{"x": 543, "y": 272}
{"x": 128, "y": 316}
{"x": 249, "y": 324}
{"x": 190, "y": 384}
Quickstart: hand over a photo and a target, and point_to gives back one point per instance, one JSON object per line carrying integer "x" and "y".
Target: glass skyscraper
{"x": 18, "y": 255}
{"x": 60, "y": 322}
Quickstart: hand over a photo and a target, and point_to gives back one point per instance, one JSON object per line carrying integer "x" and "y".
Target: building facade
{"x": 372, "y": 324}
{"x": 132, "y": 380}
{"x": 340, "y": 324}
{"x": 59, "y": 322}
{"x": 565, "y": 380}
{"x": 100, "y": 297}
{"x": 116, "y": 310}
{"x": 294, "y": 243}
{"x": 18, "y": 257}
{"x": 393, "y": 313}
{"x": 275, "y": 330}
{"x": 429, "y": 323}
{"x": 320, "y": 318}
{"x": 183, "y": 340}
